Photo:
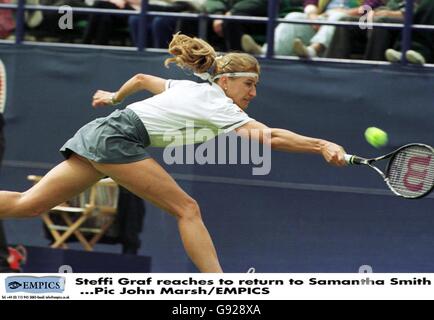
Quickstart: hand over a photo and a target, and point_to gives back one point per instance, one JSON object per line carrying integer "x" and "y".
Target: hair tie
{"x": 204, "y": 76}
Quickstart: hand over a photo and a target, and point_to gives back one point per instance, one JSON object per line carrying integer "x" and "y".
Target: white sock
{"x": 311, "y": 52}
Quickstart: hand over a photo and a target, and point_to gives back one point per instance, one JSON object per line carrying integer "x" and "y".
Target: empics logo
{"x": 34, "y": 284}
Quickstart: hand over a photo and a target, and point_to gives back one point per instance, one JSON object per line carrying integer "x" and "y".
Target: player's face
{"x": 242, "y": 90}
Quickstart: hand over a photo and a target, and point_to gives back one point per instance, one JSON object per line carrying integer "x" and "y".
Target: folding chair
{"x": 91, "y": 213}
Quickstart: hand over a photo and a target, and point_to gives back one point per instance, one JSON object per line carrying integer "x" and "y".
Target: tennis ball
{"x": 376, "y": 137}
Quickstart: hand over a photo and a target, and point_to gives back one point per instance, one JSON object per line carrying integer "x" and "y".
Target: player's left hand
{"x": 102, "y": 98}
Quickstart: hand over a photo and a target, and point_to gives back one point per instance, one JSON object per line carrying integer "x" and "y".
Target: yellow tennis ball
{"x": 376, "y": 137}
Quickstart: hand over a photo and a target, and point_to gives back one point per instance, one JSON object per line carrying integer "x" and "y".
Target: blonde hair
{"x": 197, "y": 55}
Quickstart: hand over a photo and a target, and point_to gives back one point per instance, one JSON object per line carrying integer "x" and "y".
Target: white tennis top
{"x": 188, "y": 112}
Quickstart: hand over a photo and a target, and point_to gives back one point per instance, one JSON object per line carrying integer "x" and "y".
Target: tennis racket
{"x": 2, "y": 87}
{"x": 409, "y": 172}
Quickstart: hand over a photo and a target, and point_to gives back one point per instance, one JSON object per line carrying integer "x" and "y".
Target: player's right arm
{"x": 288, "y": 141}
{"x": 137, "y": 83}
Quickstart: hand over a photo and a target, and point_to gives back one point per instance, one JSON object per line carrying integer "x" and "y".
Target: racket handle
{"x": 352, "y": 159}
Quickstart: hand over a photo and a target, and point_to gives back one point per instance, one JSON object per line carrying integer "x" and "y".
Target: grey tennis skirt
{"x": 120, "y": 137}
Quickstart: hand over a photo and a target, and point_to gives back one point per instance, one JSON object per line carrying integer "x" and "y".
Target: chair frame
{"x": 89, "y": 207}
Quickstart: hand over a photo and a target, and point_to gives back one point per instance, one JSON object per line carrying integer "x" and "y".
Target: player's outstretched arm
{"x": 285, "y": 140}
{"x": 137, "y": 83}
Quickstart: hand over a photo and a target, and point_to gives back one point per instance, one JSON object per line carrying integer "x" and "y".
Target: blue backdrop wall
{"x": 305, "y": 216}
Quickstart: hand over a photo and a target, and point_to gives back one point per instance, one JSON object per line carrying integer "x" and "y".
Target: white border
{"x": 3, "y": 83}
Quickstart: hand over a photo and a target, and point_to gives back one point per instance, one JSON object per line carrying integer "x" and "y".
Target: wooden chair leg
{"x": 77, "y": 232}
{"x": 99, "y": 235}
{"x": 70, "y": 231}
{"x": 55, "y": 234}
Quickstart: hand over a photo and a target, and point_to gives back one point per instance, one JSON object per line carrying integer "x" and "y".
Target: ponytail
{"x": 200, "y": 57}
{"x": 191, "y": 53}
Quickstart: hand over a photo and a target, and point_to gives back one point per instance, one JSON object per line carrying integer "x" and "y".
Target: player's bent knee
{"x": 35, "y": 212}
{"x": 189, "y": 209}
{"x": 32, "y": 211}
{"x": 27, "y": 208}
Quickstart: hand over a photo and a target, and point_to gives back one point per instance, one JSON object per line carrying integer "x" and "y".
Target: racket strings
{"x": 411, "y": 171}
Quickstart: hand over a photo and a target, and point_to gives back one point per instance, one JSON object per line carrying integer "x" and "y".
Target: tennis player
{"x": 115, "y": 146}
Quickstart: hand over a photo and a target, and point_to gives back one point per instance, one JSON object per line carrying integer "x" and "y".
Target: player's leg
{"x": 150, "y": 181}
{"x": 66, "y": 180}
